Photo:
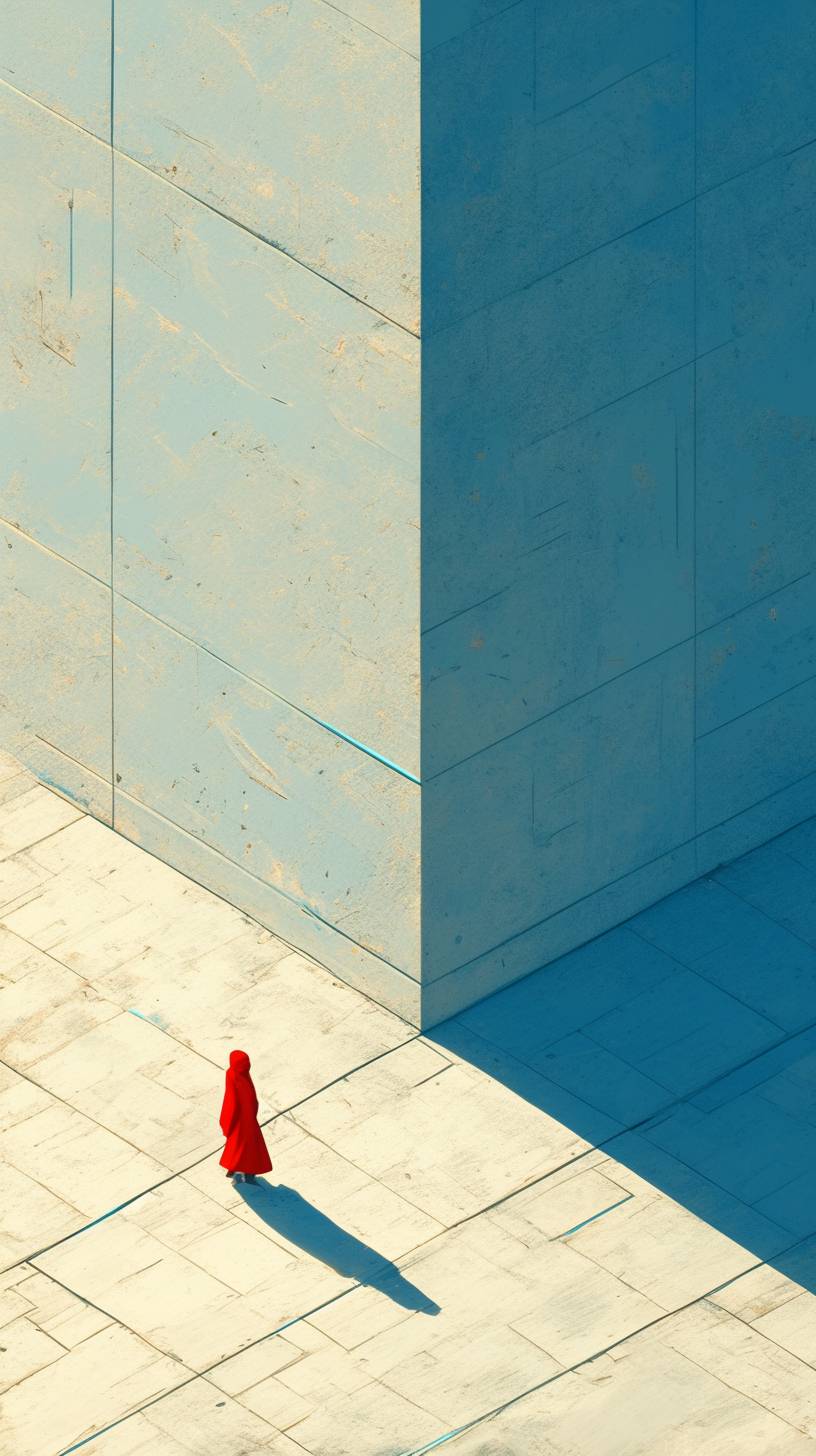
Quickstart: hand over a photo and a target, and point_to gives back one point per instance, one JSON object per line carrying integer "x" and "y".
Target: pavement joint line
{"x": 593, "y": 1217}
{"x": 351, "y": 1164}
{"x": 142, "y": 1016}
{"x": 409, "y": 1260}
{"x": 653, "y": 1119}
{"x": 800, "y": 1359}
{"x": 195, "y": 1375}
{"x": 660, "y": 1113}
{"x": 588, "y": 1359}
{"x": 411, "y": 1254}
{"x": 65, "y": 1103}
{"x": 103, "y": 1431}
{"x": 180, "y": 1172}
{"x": 746, "y": 1394}
{"x": 693, "y": 970}
{"x": 467, "y": 1426}
{"x": 24, "y": 848}
{"x": 757, "y": 909}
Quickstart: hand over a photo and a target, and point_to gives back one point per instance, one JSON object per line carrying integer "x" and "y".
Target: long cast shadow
{"x": 291, "y": 1215}
{"x": 684, "y": 1044}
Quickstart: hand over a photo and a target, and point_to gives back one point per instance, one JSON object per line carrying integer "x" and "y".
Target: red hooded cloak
{"x": 246, "y": 1150}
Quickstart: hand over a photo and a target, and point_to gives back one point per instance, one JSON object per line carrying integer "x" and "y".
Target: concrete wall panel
{"x": 344, "y": 958}
{"x": 558, "y": 811}
{"x": 60, "y": 55}
{"x": 756, "y": 513}
{"x": 55, "y": 674}
{"x": 617, "y": 442}
{"x": 440, "y": 22}
{"x": 557, "y": 132}
{"x": 55, "y": 287}
{"x": 754, "y": 96}
{"x": 756, "y": 656}
{"x": 525, "y": 367}
{"x": 328, "y": 827}
{"x": 394, "y": 20}
{"x": 603, "y": 581}
{"x": 270, "y": 510}
{"x": 293, "y": 119}
{"x": 595, "y": 512}
{"x": 758, "y": 754}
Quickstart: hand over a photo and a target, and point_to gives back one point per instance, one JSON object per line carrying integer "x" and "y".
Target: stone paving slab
{"x": 59, "y": 1166}
{"x": 70, "y": 1368}
{"x": 686, "y": 1389}
{"x": 509, "y": 1237}
{"x": 151, "y": 941}
{"x": 196, "y": 1420}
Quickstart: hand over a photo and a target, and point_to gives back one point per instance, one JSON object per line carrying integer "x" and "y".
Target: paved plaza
{"x": 578, "y": 1220}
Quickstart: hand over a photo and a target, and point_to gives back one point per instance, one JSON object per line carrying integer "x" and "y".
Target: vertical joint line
{"x": 71, "y": 244}
{"x": 694, "y": 423}
{"x": 677, "y": 485}
{"x": 111, "y": 387}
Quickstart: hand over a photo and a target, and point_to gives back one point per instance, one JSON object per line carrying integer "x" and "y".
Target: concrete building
{"x": 438, "y": 671}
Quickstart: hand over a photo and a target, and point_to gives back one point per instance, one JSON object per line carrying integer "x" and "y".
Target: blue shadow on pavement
{"x": 684, "y": 1044}
{"x": 289, "y": 1214}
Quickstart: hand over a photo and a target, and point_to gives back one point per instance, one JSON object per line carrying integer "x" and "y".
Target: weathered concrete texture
{"x": 55, "y": 287}
{"x": 60, "y": 55}
{"x": 276, "y": 630}
{"x": 618, "y": 524}
{"x": 295, "y": 120}
{"x": 55, "y": 668}
{"x": 244, "y": 382}
{"x": 328, "y": 828}
{"x": 578, "y": 1218}
{"x": 594, "y": 512}
{"x": 55, "y": 283}
{"x": 250, "y": 656}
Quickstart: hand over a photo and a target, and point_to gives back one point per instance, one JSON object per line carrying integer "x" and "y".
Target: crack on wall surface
{"x": 272, "y": 243}
{"x": 355, "y": 21}
{"x": 296, "y": 708}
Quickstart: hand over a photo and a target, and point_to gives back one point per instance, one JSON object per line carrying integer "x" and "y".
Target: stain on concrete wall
{"x": 619, "y": 522}
{"x": 210, "y": 465}
{"x": 218, "y": 569}
{"x": 60, "y": 55}
{"x": 294, "y": 119}
{"x": 55, "y": 284}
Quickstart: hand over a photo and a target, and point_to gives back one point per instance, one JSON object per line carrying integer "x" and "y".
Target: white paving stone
{"x": 67, "y": 1393}
{"x": 676, "y": 1391}
{"x": 61, "y": 1169}
{"x": 439, "y": 1130}
{"x": 430, "y": 1244}
{"x": 31, "y": 816}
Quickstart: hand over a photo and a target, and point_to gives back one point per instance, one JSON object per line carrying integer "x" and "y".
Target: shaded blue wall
{"x": 211, "y": 445}
{"x": 618, "y": 504}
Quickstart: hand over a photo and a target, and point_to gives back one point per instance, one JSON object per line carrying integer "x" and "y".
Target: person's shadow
{"x": 291, "y": 1215}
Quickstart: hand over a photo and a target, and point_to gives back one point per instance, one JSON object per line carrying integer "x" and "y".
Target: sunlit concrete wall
{"x": 210, "y": 484}
{"x": 619, "y": 478}
{"x": 217, "y": 564}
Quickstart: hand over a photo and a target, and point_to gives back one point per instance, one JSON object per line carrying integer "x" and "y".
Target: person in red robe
{"x": 246, "y": 1152}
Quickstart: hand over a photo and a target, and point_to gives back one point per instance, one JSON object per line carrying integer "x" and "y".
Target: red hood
{"x": 239, "y": 1062}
